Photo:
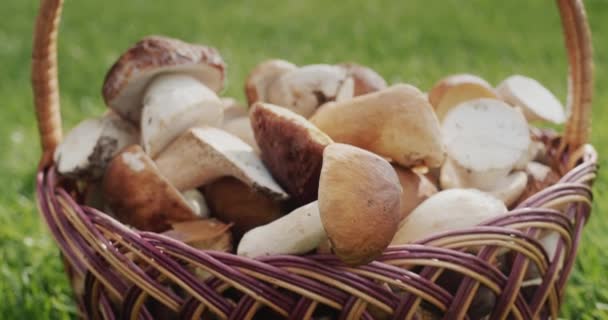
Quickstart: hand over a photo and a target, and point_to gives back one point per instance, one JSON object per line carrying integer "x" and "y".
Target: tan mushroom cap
{"x": 454, "y": 89}
{"x": 359, "y": 202}
{"x": 397, "y": 123}
{"x": 260, "y": 78}
{"x": 366, "y": 79}
{"x": 292, "y": 149}
{"x": 204, "y": 234}
{"x": 232, "y": 201}
{"x": 126, "y": 81}
{"x": 140, "y": 196}
{"x": 204, "y": 154}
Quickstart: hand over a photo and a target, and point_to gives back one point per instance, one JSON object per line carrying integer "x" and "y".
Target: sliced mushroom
{"x": 234, "y": 202}
{"x": 366, "y": 80}
{"x": 127, "y": 80}
{"x": 455, "y": 89}
{"x": 197, "y": 202}
{"x": 485, "y": 139}
{"x": 174, "y": 103}
{"x": 292, "y": 149}
{"x": 537, "y": 102}
{"x": 359, "y": 202}
{"x": 508, "y": 188}
{"x": 448, "y": 210}
{"x": 295, "y": 233}
{"x": 202, "y": 155}
{"x": 140, "y": 196}
{"x": 304, "y": 89}
{"x": 204, "y": 234}
{"x": 416, "y": 188}
{"x": 260, "y": 78}
{"x": 397, "y": 123}
{"x": 88, "y": 147}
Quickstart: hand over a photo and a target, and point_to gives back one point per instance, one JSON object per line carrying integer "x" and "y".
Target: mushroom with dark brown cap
{"x": 140, "y": 196}
{"x": 202, "y": 155}
{"x": 292, "y": 149}
{"x": 359, "y": 202}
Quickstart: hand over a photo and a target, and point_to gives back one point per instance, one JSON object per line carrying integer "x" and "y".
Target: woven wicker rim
{"x": 122, "y": 267}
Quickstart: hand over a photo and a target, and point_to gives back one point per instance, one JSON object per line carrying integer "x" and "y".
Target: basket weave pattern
{"x": 124, "y": 269}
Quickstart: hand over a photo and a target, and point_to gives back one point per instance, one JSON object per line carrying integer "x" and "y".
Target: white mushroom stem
{"x": 296, "y": 233}
{"x": 174, "y": 103}
{"x": 197, "y": 202}
{"x": 448, "y": 210}
{"x": 485, "y": 138}
{"x": 510, "y": 188}
{"x": 537, "y": 102}
{"x": 88, "y": 148}
{"x": 204, "y": 154}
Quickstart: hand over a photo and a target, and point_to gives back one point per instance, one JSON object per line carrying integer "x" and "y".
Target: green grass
{"x": 415, "y": 41}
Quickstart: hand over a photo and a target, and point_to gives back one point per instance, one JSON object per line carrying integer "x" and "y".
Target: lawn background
{"x": 414, "y": 41}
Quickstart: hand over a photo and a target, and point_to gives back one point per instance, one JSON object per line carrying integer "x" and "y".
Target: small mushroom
{"x": 304, "y": 89}
{"x": 197, "y": 202}
{"x": 508, "y": 188}
{"x": 295, "y": 233}
{"x": 234, "y": 202}
{"x": 88, "y": 147}
{"x": 359, "y": 202}
{"x": 260, "y": 78}
{"x": 202, "y": 155}
{"x": 292, "y": 149}
{"x": 140, "y": 196}
{"x": 126, "y": 82}
{"x": 174, "y": 103}
{"x": 537, "y": 102}
{"x": 204, "y": 234}
{"x": 455, "y": 89}
{"x": 448, "y": 210}
{"x": 397, "y": 123}
{"x": 416, "y": 188}
{"x": 366, "y": 80}
{"x": 485, "y": 139}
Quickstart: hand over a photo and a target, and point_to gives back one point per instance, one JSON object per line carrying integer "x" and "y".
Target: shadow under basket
{"x": 481, "y": 272}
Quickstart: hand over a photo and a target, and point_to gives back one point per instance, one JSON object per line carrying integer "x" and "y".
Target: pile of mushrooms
{"x": 322, "y": 157}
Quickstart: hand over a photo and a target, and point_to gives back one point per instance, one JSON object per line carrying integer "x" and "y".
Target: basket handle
{"x": 46, "y": 86}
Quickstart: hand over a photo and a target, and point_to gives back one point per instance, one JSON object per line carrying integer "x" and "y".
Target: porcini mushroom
{"x": 260, "y": 78}
{"x": 151, "y": 59}
{"x": 202, "y": 155}
{"x": 455, "y": 89}
{"x": 397, "y": 123}
{"x": 174, "y": 103}
{"x": 87, "y": 148}
{"x": 292, "y": 149}
{"x": 365, "y": 79}
{"x": 140, "y": 196}
{"x": 204, "y": 234}
{"x": 485, "y": 139}
{"x": 448, "y": 210}
{"x": 416, "y": 188}
{"x": 232, "y": 201}
{"x": 536, "y": 101}
{"x": 359, "y": 202}
{"x": 304, "y": 89}
{"x": 295, "y": 233}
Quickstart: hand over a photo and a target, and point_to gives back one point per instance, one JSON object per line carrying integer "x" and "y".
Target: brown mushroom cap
{"x": 359, "y": 202}
{"x": 416, "y": 188}
{"x": 139, "y": 196}
{"x": 396, "y": 123}
{"x": 292, "y": 149}
{"x": 366, "y": 79}
{"x": 258, "y": 80}
{"x": 232, "y": 201}
{"x": 126, "y": 81}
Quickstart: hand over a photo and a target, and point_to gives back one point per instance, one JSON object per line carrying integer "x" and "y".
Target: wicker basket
{"x": 131, "y": 274}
